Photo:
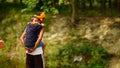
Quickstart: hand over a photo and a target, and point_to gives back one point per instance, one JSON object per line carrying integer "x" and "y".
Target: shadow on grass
{"x": 6, "y": 7}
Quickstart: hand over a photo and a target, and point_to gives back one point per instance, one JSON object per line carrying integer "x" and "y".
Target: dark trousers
{"x": 34, "y": 61}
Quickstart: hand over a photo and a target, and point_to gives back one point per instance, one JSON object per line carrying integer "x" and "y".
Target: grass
{"x": 6, "y": 62}
{"x": 12, "y": 24}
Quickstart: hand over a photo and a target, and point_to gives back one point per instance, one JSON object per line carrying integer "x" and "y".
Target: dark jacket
{"x": 32, "y": 32}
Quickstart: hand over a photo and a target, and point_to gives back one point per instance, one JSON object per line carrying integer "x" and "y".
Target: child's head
{"x": 33, "y": 20}
{"x": 40, "y": 16}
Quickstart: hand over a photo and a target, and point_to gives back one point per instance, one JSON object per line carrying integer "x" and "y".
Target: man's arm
{"x": 23, "y": 37}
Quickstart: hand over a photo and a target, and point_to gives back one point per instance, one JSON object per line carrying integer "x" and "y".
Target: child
{"x": 41, "y": 17}
{"x": 31, "y": 39}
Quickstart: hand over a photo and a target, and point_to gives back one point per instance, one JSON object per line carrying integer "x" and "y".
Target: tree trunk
{"x": 118, "y": 5}
{"x": 91, "y": 4}
{"x": 83, "y": 4}
{"x": 15, "y": 1}
{"x": 75, "y": 14}
{"x": 103, "y": 4}
{"x": 110, "y": 3}
{"x": 21, "y": 1}
{"x": 73, "y": 11}
{"x": 115, "y": 3}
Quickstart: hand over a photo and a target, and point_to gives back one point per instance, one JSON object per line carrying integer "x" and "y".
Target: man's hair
{"x": 32, "y": 18}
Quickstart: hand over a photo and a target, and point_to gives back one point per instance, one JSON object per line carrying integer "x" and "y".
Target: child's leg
{"x": 43, "y": 47}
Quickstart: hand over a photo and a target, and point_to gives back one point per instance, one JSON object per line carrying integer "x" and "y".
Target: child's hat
{"x": 41, "y": 16}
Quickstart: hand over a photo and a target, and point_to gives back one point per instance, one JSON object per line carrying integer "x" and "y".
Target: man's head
{"x": 33, "y": 20}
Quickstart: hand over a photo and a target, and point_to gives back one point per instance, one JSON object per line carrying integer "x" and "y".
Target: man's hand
{"x": 27, "y": 49}
{"x": 31, "y": 50}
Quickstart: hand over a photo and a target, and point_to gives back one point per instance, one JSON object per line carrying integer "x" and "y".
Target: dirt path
{"x": 114, "y": 62}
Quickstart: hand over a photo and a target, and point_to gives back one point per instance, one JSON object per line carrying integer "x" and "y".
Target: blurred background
{"x": 78, "y": 33}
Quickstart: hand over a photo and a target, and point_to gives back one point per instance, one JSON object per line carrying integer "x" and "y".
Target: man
{"x": 2, "y": 44}
{"x": 31, "y": 39}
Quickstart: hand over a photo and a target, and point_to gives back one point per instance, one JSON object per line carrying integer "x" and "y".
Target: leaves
{"x": 30, "y": 5}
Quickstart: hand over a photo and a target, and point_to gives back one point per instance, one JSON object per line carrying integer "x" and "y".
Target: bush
{"x": 94, "y": 56}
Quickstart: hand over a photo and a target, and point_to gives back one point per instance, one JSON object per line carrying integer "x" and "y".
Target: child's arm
{"x": 38, "y": 40}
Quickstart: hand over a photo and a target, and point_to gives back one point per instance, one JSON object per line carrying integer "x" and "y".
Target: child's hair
{"x": 38, "y": 13}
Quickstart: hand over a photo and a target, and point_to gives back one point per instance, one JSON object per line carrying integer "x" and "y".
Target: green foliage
{"x": 94, "y": 56}
{"x": 52, "y": 10}
{"x": 31, "y": 4}
{"x": 7, "y": 62}
{"x": 61, "y": 2}
{"x": 48, "y": 7}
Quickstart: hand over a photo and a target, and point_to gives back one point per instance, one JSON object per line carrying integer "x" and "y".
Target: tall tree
{"x": 103, "y": 4}
{"x": 14, "y": 1}
{"x": 91, "y": 3}
{"x": 75, "y": 9}
{"x": 117, "y": 5}
{"x": 110, "y": 3}
{"x": 83, "y": 4}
